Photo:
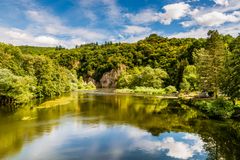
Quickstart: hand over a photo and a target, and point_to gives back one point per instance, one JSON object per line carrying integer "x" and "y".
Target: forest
{"x": 156, "y": 65}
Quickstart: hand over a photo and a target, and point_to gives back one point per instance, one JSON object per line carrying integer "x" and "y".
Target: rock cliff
{"x": 109, "y": 79}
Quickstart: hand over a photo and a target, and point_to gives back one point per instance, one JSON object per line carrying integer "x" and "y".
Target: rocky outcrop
{"x": 109, "y": 79}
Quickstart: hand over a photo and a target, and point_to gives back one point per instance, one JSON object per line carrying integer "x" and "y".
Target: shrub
{"x": 18, "y": 88}
{"x": 218, "y": 108}
{"x": 170, "y": 89}
{"x": 142, "y": 77}
{"x": 84, "y": 85}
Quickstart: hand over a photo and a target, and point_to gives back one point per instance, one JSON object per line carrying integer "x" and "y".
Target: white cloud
{"x": 113, "y": 10}
{"x": 20, "y": 37}
{"x": 227, "y": 11}
{"x": 187, "y": 23}
{"x": 222, "y": 2}
{"x": 215, "y": 19}
{"x": 41, "y": 17}
{"x": 45, "y": 30}
{"x": 232, "y": 29}
{"x": 145, "y": 16}
{"x": 46, "y": 40}
{"x": 15, "y": 33}
{"x": 194, "y": 33}
{"x": 174, "y": 12}
{"x": 134, "y": 38}
{"x": 109, "y": 8}
{"x": 175, "y": 149}
{"x": 136, "y": 29}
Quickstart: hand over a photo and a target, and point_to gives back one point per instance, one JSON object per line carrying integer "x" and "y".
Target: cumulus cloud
{"x": 21, "y": 37}
{"x": 136, "y": 29}
{"x": 201, "y": 32}
{"x": 46, "y": 40}
{"x": 216, "y": 19}
{"x": 187, "y": 23}
{"x": 45, "y": 30}
{"x": 172, "y": 12}
{"x": 145, "y": 16}
{"x": 227, "y": 11}
{"x": 222, "y": 2}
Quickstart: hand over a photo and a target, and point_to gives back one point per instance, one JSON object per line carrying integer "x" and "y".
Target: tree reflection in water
{"x": 148, "y": 124}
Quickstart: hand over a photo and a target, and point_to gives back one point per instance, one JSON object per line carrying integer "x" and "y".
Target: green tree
{"x": 142, "y": 77}
{"x": 190, "y": 79}
{"x": 210, "y": 62}
{"x": 17, "y": 88}
{"x": 231, "y": 76}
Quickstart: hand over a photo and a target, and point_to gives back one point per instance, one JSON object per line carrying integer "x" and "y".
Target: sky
{"x": 74, "y": 22}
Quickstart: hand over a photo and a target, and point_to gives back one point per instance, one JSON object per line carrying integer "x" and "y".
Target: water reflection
{"x": 99, "y": 126}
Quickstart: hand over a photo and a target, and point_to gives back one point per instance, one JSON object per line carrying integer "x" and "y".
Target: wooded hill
{"x": 188, "y": 64}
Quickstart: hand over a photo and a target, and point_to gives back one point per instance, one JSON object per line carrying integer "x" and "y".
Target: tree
{"x": 231, "y": 77}
{"x": 142, "y": 77}
{"x": 190, "y": 79}
{"x": 17, "y": 88}
{"x": 210, "y": 62}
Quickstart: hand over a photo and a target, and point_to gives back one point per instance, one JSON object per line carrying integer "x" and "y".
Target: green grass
{"x": 148, "y": 90}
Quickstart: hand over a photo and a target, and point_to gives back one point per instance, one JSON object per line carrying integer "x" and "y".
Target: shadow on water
{"x": 22, "y": 127}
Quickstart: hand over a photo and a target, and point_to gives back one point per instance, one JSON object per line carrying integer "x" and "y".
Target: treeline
{"x": 27, "y": 76}
{"x": 188, "y": 64}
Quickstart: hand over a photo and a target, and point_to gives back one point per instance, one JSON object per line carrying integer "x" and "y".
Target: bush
{"x": 170, "y": 89}
{"x": 18, "y": 88}
{"x": 142, "y": 77}
{"x": 218, "y": 108}
{"x": 190, "y": 79}
{"x": 149, "y": 90}
{"x": 84, "y": 85}
{"x": 90, "y": 85}
{"x": 24, "y": 76}
{"x": 124, "y": 90}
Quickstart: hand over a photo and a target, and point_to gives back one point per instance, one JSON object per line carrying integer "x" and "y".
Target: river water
{"x": 98, "y": 125}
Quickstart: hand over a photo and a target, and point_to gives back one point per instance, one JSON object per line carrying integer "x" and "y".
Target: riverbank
{"x": 215, "y": 108}
{"x": 212, "y": 108}
{"x": 170, "y": 90}
{"x": 219, "y": 108}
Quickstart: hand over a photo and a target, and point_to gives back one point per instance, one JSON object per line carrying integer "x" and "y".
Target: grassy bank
{"x": 219, "y": 108}
{"x": 148, "y": 90}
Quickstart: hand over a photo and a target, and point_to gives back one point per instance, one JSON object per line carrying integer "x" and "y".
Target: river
{"x": 101, "y": 125}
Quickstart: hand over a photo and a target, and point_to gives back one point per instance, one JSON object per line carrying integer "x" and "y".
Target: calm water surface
{"x": 107, "y": 126}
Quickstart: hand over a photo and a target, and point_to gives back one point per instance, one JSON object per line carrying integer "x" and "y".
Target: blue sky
{"x": 71, "y": 22}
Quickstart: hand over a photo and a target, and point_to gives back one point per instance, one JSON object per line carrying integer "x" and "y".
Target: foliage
{"x": 190, "y": 79}
{"x": 218, "y": 108}
{"x": 142, "y": 77}
{"x": 170, "y": 90}
{"x": 84, "y": 85}
{"x": 24, "y": 76}
{"x": 123, "y": 90}
{"x": 17, "y": 88}
{"x": 210, "y": 62}
{"x": 148, "y": 90}
{"x": 52, "y": 79}
{"x": 156, "y": 62}
{"x": 231, "y": 77}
